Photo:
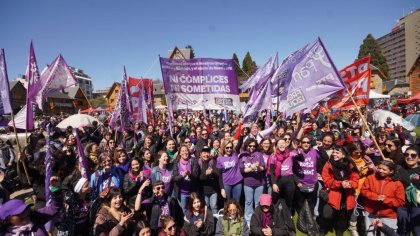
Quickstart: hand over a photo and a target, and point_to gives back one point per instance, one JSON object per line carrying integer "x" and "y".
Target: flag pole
{"x": 366, "y": 124}
{"x": 20, "y": 148}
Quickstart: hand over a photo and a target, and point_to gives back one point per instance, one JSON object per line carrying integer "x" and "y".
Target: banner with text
{"x": 201, "y": 83}
{"x": 356, "y": 77}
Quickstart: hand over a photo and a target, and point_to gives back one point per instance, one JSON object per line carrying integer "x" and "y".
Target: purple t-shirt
{"x": 287, "y": 165}
{"x": 185, "y": 183}
{"x": 307, "y": 168}
{"x": 229, "y": 166}
{"x": 254, "y": 178}
{"x": 166, "y": 179}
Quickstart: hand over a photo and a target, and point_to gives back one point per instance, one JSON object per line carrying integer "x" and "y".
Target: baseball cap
{"x": 12, "y": 208}
{"x": 206, "y": 149}
{"x": 265, "y": 200}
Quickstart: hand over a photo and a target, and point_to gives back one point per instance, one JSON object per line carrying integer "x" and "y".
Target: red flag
{"x": 357, "y": 80}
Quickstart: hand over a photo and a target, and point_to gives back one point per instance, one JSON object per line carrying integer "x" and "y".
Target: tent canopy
{"x": 375, "y": 95}
{"x": 415, "y": 98}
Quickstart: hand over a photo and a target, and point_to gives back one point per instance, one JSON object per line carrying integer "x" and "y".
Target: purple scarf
{"x": 266, "y": 219}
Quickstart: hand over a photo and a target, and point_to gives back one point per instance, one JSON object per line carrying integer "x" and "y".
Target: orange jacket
{"x": 394, "y": 196}
{"x": 334, "y": 196}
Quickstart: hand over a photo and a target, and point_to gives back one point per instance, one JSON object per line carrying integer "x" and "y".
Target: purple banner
{"x": 259, "y": 100}
{"x": 55, "y": 78}
{"x": 48, "y": 167}
{"x": 262, "y": 74}
{"x": 34, "y": 86}
{"x": 310, "y": 76}
{"x": 83, "y": 162}
{"x": 5, "y": 107}
{"x": 201, "y": 82}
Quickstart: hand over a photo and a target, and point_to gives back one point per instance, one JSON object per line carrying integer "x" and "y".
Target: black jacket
{"x": 281, "y": 223}
{"x": 194, "y": 176}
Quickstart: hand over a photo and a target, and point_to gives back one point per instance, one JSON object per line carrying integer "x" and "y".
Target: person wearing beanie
{"x": 21, "y": 220}
{"x": 267, "y": 219}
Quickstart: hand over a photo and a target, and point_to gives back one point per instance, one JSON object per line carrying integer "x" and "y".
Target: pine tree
{"x": 192, "y": 54}
{"x": 237, "y": 65}
{"x": 248, "y": 65}
{"x": 370, "y": 46}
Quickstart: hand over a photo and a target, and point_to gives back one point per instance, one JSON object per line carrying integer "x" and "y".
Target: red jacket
{"x": 334, "y": 197}
{"x": 394, "y": 196}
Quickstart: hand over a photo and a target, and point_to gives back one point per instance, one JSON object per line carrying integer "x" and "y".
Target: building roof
{"x": 390, "y": 84}
{"x": 374, "y": 68}
{"x": 112, "y": 89}
{"x": 69, "y": 93}
{"x": 413, "y": 67}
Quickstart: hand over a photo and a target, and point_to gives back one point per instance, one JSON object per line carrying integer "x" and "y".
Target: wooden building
{"x": 70, "y": 101}
{"x": 112, "y": 95}
{"x": 414, "y": 77}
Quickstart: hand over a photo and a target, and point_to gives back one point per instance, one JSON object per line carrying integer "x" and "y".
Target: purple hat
{"x": 12, "y": 208}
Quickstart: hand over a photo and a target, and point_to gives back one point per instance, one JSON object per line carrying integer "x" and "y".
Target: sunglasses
{"x": 305, "y": 142}
{"x": 286, "y": 138}
{"x": 228, "y": 147}
{"x": 171, "y": 227}
{"x": 410, "y": 155}
{"x": 158, "y": 188}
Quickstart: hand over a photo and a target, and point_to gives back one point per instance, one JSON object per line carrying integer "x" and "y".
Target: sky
{"x": 102, "y": 36}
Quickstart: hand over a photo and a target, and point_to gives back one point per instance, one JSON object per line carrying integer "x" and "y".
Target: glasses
{"x": 227, "y": 148}
{"x": 286, "y": 138}
{"x": 203, "y": 133}
{"x": 171, "y": 227}
{"x": 410, "y": 155}
{"x": 304, "y": 142}
{"x": 266, "y": 207}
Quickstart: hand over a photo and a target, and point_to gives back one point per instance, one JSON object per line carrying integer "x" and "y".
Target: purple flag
{"x": 268, "y": 119}
{"x": 83, "y": 162}
{"x": 55, "y": 78}
{"x": 5, "y": 107}
{"x": 48, "y": 167}
{"x": 122, "y": 117}
{"x": 34, "y": 86}
{"x": 142, "y": 114}
{"x": 259, "y": 100}
{"x": 262, "y": 74}
{"x": 310, "y": 76}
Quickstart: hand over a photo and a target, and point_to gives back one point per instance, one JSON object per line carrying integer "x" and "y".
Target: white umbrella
{"x": 381, "y": 115}
{"x": 77, "y": 121}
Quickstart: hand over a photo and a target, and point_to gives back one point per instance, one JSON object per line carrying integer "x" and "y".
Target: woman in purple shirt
{"x": 185, "y": 175}
{"x": 230, "y": 178}
{"x": 252, "y": 166}
{"x": 305, "y": 168}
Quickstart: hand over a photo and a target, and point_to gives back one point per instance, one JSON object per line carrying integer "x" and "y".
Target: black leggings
{"x": 287, "y": 188}
{"x": 301, "y": 196}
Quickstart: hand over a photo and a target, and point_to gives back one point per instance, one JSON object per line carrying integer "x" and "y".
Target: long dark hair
{"x": 232, "y": 201}
{"x": 190, "y": 207}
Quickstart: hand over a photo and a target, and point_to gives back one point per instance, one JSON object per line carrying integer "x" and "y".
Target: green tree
{"x": 248, "y": 65}
{"x": 98, "y": 102}
{"x": 192, "y": 54}
{"x": 237, "y": 65}
{"x": 370, "y": 46}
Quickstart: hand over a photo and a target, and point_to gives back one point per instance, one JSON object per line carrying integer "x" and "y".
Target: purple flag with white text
{"x": 55, "y": 78}
{"x": 310, "y": 76}
{"x": 34, "y": 86}
{"x": 122, "y": 117}
{"x": 5, "y": 107}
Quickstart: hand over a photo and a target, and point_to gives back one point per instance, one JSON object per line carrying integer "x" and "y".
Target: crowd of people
{"x": 213, "y": 175}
